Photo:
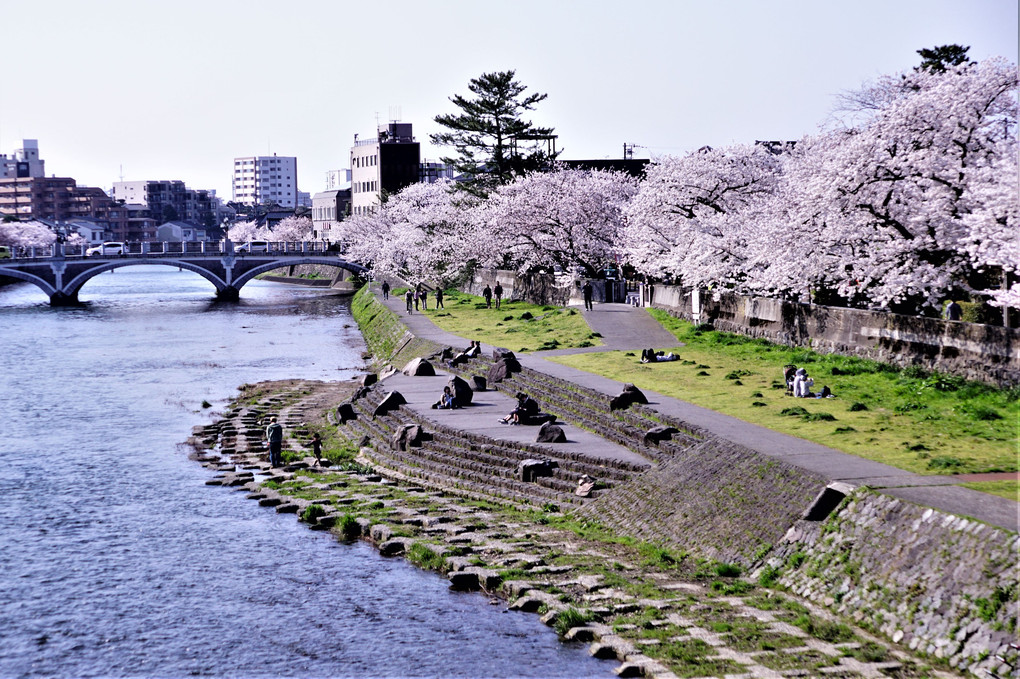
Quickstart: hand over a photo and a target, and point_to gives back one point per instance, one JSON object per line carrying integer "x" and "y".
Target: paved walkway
{"x": 628, "y": 328}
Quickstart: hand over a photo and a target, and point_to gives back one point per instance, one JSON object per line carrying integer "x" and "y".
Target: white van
{"x": 254, "y": 246}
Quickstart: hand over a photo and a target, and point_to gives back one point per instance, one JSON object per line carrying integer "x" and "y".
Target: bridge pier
{"x": 228, "y": 294}
{"x": 64, "y": 299}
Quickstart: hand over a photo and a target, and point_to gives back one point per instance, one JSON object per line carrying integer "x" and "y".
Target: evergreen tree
{"x": 937, "y": 59}
{"x": 492, "y": 142}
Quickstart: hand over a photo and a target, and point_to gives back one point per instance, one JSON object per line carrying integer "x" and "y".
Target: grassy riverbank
{"x": 926, "y": 423}
{"x": 681, "y": 614}
{"x": 518, "y": 326}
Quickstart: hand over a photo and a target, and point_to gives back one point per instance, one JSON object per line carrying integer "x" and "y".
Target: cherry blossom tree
{"x": 694, "y": 216}
{"x": 292, "y": 229}
{"x": 242, "y": 232}
{"x": 26, "y": 234}
{"x": 425, "y": 232}
{"x": 562, "y": 218}
{"x": 993, "y": 222}
{"x": 883, "y": 202}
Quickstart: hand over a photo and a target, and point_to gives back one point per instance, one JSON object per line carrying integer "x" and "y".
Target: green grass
{"x": 1007, "y": 489}
{"x": 518, "y": 326}
{"x": 930, "y": 424}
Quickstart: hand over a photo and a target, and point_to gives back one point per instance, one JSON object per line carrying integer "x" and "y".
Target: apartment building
{"x": 266, "y": 179}
{"x": 386, "y": 163}
{"x": 24, "y": 162}
{"x": 60, "y": 199}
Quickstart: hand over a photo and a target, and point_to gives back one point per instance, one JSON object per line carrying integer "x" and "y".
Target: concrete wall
{"x": 971, "y": 350}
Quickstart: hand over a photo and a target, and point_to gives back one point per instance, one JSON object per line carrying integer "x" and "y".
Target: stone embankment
{"x": 648, "y": 567}
{"x": 655, "y": 612}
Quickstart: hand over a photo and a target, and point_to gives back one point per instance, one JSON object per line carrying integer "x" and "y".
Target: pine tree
{"x": 492, "y": 142}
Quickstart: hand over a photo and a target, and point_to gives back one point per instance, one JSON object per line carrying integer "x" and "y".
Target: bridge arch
{"x": 72, "y": 287}
{"x": 239, "y": 282}
{"x": 30, "y": 278}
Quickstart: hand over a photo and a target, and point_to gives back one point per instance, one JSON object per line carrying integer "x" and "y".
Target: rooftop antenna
{"x": 122, "y": 171}
{"x": 395, "y": 114}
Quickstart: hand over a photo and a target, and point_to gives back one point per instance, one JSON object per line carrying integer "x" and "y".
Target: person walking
{"x": 439, "y": 298}
{"x": 317, "y": 448}
{"x": 274, "y": 435}
{"x": 424, "y": 294}
{"x": 487, "y": 294}
{"x": 498, "y": 293}
{"x": 409, "y": 298}
{"x": 385, "y": 290}
{"x": 953, "y": 311}
{"x": 586, "y": 291}
{"x": 417, "y": 296}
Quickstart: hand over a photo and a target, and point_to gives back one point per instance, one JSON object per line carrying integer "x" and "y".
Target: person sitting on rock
{"x": 446, "y": 401}
{"x": 527, "y": 408}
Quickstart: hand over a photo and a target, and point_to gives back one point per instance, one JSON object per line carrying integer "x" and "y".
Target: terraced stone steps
{"x": 590, "y": 410}
{"x": 481, "y": 468}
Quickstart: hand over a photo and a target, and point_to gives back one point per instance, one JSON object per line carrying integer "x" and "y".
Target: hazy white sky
{"x": 175, "y": 90}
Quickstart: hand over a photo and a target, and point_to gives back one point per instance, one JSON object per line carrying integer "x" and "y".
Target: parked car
{"x": 254, "y": 246}
{"x": 107, "y": 248}
{"x": 5, "y": 252}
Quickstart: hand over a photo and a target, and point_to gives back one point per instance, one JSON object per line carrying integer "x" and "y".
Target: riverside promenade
{"x": 627, "y": 328}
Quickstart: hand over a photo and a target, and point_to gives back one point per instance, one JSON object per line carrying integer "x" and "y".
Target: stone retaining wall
{"x": 979, "y": 352}
{"x": 944, "y": 585}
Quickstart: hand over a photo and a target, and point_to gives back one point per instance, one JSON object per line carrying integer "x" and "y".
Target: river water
{"x": 117, "y": 560}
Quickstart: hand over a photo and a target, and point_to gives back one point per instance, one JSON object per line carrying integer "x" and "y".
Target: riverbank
{"x": 657, "y": 612}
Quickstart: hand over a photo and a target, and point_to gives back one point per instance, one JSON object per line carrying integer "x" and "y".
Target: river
{"x": 117, "y": 560}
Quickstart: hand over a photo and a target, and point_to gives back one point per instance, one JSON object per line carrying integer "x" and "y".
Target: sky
{"x": 140, "y": 89}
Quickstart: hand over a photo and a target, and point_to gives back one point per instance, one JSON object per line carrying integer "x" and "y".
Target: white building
{"x": 386, "y": 163}
{"x": 266, "y": 179}
{"x": 24, "y": 162}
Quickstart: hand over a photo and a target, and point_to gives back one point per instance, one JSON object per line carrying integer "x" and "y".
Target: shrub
{"x": 793, "y": 411}
{"x": 819, "y": 417}
{"x": 984, "y": 414}
{"x": 312, "y": 513}
{"x": 944, "y": 462}
{"x": 570, "y": 618}
{"x": 527, "y": 316}
{"x": 758, "y": 404}
{"x": 727, "y": 570}
{"x": 348, "y": 527}
{"x": 857, "y": 407}
{"x": 768, "y": 576}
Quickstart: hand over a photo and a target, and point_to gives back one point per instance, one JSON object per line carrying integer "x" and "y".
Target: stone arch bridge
{"x": 62, "y": 277}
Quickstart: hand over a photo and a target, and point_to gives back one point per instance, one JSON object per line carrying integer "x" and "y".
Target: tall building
{"x": 24, "y": 162}
{"x": 387, "y": 163}
{"x": 266, "y": 179}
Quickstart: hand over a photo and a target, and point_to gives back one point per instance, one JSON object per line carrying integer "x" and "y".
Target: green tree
{"x": 493, "y": 143}
{"x": 937, "y": 59}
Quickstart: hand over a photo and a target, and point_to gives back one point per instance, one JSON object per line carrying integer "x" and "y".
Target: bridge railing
{"x": 168, "y": 248}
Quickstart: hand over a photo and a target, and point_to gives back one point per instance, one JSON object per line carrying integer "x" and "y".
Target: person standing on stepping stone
{"x": 274, "y": 434}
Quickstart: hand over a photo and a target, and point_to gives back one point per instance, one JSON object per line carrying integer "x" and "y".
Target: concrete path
{"x": 488, "y": 408}
{"x": 627, "y": 328}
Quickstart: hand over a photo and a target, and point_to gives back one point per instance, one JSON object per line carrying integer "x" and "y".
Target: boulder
{"x": 391, "y": 401}
{"x": 345, "y": 413}
{"x": 657, "y": 434}
{"x": 538, "y": 419}
{"x": 628, "y": 397}
{"x": 462, "y": 392}
{"x": 409, "y": 436}
{"x": 499, "y": 353}
{"x": 368, "y": 379}
{"x": 529, "y": 470}
{"x": 419, "y": 367}
{"x": 503, "y": 369}
{"x": 478, "y": 382}
{"x": 551, "y": 433}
